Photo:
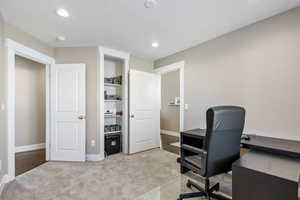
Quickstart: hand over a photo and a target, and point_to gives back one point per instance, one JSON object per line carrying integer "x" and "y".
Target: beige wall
{"x": 140, "y": 64}
{"x": 256, "y": 67}
{"x": 88, "y": 56}
{"x": 28, "y": 40}
{"x": 3, "y": 143}
{"x": 170, "y": 88}
{"x": 30, "y": 102}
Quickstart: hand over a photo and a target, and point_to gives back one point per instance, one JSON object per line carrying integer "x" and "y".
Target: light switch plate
{"x": 2, "y": 107}
{"x": 93, "y": 143}
{"x": 186, "y": 106}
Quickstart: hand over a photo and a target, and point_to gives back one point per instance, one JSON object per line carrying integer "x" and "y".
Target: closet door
{"x": 144, "y": 109}
{"x": 68, "y": 95}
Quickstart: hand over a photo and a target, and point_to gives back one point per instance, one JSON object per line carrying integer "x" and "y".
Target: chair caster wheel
{"x": 188, "y": 184}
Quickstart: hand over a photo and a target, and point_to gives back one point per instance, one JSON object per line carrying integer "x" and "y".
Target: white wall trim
{"x": 94, "y": 157}
{"x": 30, "y": 147}
{"x": 3, "y": 181}
{"x": 103, "y": 51}
{"x": 174, "y": 67}
{"x": 172, "y": 133}
{"x": 170, "y": 68}
{"x": 29, "y": 53}
{"x": 114, "y": 53}
{"x": 12, "y": 49}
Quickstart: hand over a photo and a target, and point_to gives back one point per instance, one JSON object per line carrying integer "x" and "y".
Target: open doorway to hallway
{"x": 172, "y": 105}
{"x": 170, "y": 111}
{"x": 30, "y": 114}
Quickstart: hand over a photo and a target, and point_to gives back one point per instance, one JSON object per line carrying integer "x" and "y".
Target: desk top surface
{"x": 261, "y": 143}
{"x": 276, "y": 145}
{"x": 274, "y": 165}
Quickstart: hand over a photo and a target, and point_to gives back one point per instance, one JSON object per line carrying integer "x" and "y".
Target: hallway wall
{"x": 30, "y": 102}
{"x": 170, "y": 88}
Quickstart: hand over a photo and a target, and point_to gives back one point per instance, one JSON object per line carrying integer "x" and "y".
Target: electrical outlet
{"x": 93, "y": 143}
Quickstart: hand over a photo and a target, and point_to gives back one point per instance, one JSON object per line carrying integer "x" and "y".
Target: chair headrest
{"x": 222, "y": 118}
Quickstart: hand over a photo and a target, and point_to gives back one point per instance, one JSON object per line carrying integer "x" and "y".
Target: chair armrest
{"x": 201, "y": 153}
{"x": 194, "y": 149}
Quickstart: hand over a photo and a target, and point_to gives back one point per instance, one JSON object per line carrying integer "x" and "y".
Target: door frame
{"x": 102, "y": 52}
{"x": 170, "y": 68}
{"x": 12, "y": 49}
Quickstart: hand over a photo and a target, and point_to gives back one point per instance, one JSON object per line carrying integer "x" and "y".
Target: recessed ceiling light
{"x": 62, "y": 12}
{"x": 150, "y": 3}
{"x": 61, "y": 38}
{"x": 155, "y": 44}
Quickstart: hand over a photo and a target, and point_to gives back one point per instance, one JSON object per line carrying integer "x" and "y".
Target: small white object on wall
{"x": 186, "y": 106}
{"x": 177, "y": 100}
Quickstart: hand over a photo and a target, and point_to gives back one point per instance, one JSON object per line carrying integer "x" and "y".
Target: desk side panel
{"x": 252, "y": 185}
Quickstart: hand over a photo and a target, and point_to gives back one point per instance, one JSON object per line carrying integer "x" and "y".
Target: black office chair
{"x": 225, "y": 125}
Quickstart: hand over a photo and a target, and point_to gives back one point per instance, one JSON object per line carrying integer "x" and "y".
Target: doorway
{"x": 14, "y": 49}
{"x": 30, "y": 114}
{"x": 172, "y": 105}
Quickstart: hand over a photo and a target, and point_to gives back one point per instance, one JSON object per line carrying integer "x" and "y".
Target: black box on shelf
{"x": 109, "y": 80}
{"x": 113, "y": 144}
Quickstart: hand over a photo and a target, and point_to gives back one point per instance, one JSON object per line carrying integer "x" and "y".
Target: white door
{"x": 68, "y": 112}
{"x": 144, "y": 109}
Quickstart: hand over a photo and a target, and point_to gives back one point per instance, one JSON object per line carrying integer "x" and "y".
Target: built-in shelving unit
{"x": 113, "y": 101}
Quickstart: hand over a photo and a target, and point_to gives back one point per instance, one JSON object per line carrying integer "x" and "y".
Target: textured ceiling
{"x": 127, "y": 25}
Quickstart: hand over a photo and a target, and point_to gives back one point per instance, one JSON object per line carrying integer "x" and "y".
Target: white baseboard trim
{"x": 175, "y": 144}
{"x": 172, "y": 133}
{"x": 94, "y": 157}
{"x": 30, "y": 147}
{"x": 3, "y": 181}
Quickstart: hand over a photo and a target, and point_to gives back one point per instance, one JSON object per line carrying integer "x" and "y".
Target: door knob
{"x": 132, "y": 116}
{"x": 81, "y": 117}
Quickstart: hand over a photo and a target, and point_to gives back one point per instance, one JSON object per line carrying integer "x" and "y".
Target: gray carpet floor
{"x": 151, "y": 175}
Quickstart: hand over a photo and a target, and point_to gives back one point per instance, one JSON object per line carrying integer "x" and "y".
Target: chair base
{"x": 207, "y": 192}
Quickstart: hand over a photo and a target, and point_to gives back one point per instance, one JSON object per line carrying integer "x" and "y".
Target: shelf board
{"x": 112, "y": 100}
{"x": 112, "y": 132}
{"x": 112, "y": 85}
{"x": 111, "y": 115}
{"x": 173, "y": 104}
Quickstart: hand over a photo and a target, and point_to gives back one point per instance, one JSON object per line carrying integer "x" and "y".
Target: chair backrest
{"x": 225, "y": 126}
